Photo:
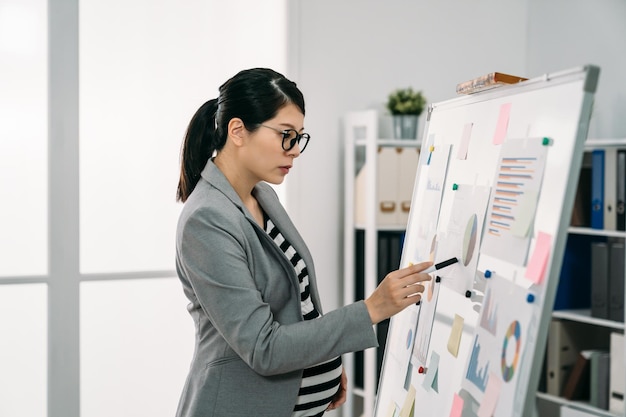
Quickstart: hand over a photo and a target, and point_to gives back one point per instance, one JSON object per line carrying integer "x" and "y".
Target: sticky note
{"x": 409, "y": 403}
{"x": 431, "y": 371}
{"x": 435, "y": 384}
{"x": 536, "y": 268}
{"x": 455, "y": 335}
{"x": 503, "y": 124}
{"x": 464, "y": 144}
{"x": 490, "y": 399}
{"x": 457, "y": 406}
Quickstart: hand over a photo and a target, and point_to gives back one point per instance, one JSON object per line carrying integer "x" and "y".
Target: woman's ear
{"x": 237, "y": 131}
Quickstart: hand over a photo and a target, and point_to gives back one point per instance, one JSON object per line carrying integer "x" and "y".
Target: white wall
{"x": 569, "y": 33}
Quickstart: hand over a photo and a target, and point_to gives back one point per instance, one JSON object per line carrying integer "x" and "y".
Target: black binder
{"x": 600, "y": 280}
{"x": 616, "y": 284}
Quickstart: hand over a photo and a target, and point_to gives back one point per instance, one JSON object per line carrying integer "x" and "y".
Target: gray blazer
{"x": 251, "y": 340}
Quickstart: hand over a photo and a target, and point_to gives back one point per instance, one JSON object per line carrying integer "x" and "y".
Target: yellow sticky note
{"x": 455, "y": 335}
{"x": 409, "y": 402}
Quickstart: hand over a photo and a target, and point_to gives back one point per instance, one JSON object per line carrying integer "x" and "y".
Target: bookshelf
{"x": 363, "y": 235}
{"x": 583, "y": 315}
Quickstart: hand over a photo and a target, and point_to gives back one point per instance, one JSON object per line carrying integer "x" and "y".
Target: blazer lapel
{"x": 268, "y": 199}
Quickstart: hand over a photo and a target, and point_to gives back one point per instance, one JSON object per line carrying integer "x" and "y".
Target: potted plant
{"x": 405, "y": 106}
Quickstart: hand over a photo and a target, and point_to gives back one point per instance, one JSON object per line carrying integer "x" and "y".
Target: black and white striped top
{"x": 320, "y": 382}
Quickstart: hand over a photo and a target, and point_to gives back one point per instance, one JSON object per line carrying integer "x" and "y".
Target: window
{"x": 88, "y": 174}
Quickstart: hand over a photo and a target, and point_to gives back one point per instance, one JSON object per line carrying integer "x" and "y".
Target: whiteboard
{"x": 494, "y": 188}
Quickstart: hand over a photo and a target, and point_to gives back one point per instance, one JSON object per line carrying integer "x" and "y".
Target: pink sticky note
{"x": 465, "y": 138}
{"x": 536, "y": 268}
{"x": 457, "y": 406}
{"x": 503, "y": 124}
{"x": 490, "y": 399}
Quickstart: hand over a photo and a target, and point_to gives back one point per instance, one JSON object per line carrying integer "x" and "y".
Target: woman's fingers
{"x": 398, "y": 290}
{"x": 412, "y": 274}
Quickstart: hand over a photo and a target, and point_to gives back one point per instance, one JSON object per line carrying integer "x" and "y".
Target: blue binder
{"x": 597, "y": 189}
{"x": 574, "y": 288}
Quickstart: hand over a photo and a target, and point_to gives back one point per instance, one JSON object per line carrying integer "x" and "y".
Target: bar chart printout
{"x": 513, "y": 203}
{"x": 477, "y": 374}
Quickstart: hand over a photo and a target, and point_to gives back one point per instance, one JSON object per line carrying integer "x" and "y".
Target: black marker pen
{"x": 440, "y": 265}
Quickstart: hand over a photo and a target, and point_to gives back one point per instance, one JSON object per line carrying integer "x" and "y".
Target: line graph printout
{"x": 514, "y": 199}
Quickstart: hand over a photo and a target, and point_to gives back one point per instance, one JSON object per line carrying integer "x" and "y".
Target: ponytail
{"x": 200, "y": 141}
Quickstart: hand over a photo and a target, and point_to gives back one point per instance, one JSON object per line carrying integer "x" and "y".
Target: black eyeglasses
{"x": 291, "y": 137}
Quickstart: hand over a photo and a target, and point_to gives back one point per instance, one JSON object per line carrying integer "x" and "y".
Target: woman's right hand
{"x": 398, "y": 290}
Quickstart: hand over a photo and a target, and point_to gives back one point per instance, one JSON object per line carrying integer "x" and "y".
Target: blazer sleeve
{"x": 213, "y": 255}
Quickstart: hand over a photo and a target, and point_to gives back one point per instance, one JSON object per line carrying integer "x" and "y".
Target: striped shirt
{"x": 320, "y": 382}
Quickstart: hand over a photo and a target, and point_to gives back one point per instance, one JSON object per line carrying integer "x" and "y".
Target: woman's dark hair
{"x": 253, "y": 95}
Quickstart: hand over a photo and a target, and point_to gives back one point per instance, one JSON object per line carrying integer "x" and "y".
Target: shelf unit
{"x": 361, "y": 133}
{"x": 584, "y": 315}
